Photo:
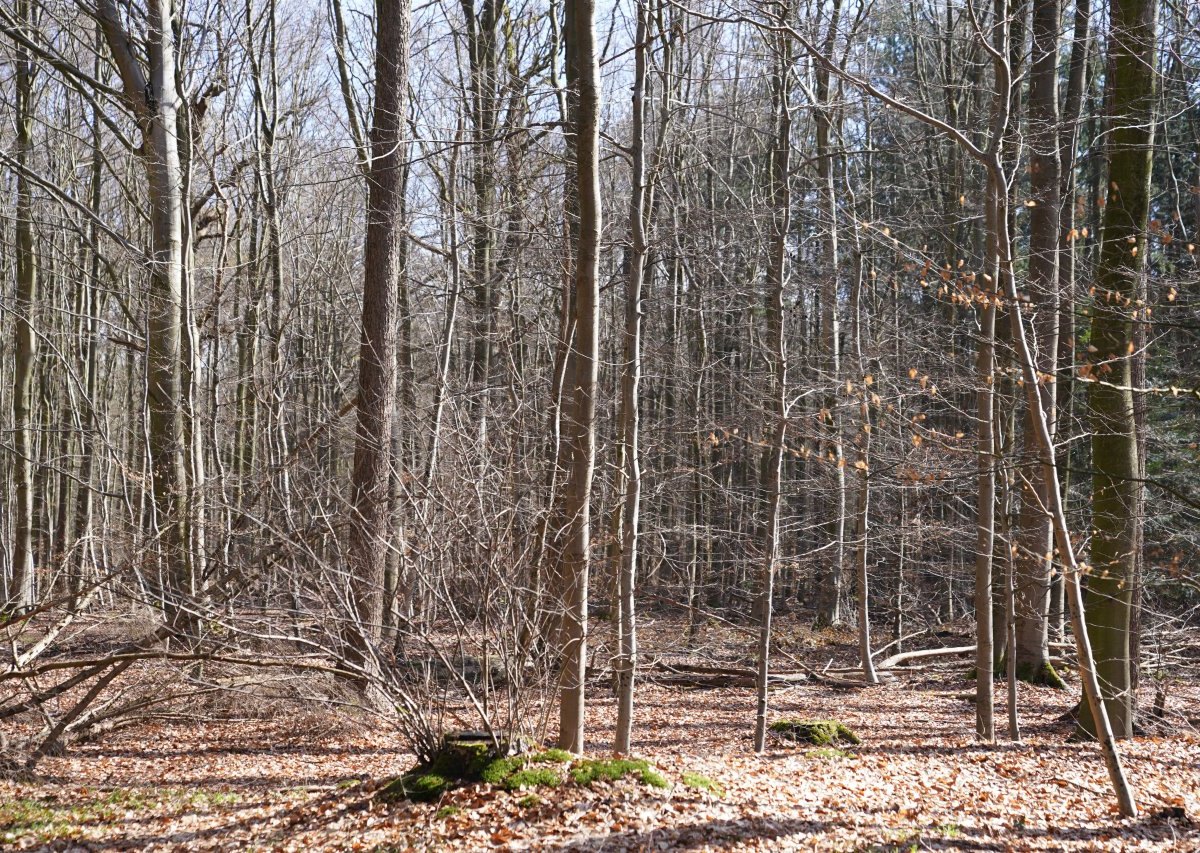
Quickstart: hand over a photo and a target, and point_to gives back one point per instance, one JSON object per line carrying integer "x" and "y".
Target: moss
{"x": 816, "y": 732}
{"x": 458, "y": 761}
{"x": 589, "y": 770}
{"x": 698, "y": 782}
{"x": 830, "y": 752}
{"x": 499, "y": 769}
{"x": 556, "y": 755}
{"x": 533, "y": 777}
{"x": 529, "y": 801}
{"x": 418, "y": 785}
{"x": 48, "y": 819}
{"x": 1045, "y": 675}
{"x": 448, "y": 812}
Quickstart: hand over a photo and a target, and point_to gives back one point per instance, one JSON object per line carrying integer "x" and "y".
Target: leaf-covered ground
{"x": 306, "y": 781}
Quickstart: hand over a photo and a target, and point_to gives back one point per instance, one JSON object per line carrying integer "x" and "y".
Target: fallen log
{"x": 923, "y": 654}
{"x": 692, "y": 675}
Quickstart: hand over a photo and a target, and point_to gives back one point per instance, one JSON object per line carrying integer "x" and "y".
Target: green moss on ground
{"x": 589, "y": 770}
{"x": 458, "y": 761}
{"x": 553, "y": 754}
{"x": 698, "y": 782}
{"x": 815, "y": 732}
{"x": 462, "y": 763}
{"x": 533, "y": 777}
{"x": 48, "y": 819}
{"x": 830, "y": 752}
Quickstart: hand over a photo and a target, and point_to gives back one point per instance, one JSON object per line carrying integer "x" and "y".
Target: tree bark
{"x": 1034, "y": 556}
{"x": 631, "y": 376}
{"x": 371, "y": 530}
{"x": 155, "y": 102}
{"x": 772, "y": 463}
{"x": 1115, "y": 484}
{"x": 21, "y": 585}
{"x": 583, "y": 94}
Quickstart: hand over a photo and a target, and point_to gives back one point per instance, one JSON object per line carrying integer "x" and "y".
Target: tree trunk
{"x": 21, "y": 587}
{"x": 371, "y": 530}
{"x": 154, "y": 100}
{"x": 830, "y": 581}
{"x": 631, "y": 376}
{"x": 985, "y": 515}
{"x": 1034, "y": 557}
{"x": 1115, "y": 486}
{"x": 781, "y": 207}
{"x": 583, "y": 93}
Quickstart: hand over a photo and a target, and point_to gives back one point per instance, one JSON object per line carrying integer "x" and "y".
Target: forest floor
{"x": 306, "y": 780}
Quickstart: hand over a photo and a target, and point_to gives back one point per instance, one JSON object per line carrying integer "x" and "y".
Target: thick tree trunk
{"x": 371, "y": 529}
{"x": 1115, "y": 485}
{"x": 154, "y": 99}
{"x": 1034, "y": 557}
{"x": 583, "y": 93}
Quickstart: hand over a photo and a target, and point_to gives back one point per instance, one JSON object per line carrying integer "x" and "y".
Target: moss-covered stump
{"x": 815, "y": 732}
{"x": 457, "y": 762}
{"x": 463, "y": 762}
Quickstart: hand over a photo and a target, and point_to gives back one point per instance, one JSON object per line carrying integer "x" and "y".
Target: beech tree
{"x": 376, "y": 402}
{"x": 1116, "y": 482}
{"x": 583, "y": 104}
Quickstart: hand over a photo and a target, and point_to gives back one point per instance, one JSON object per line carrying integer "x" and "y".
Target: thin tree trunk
{"x": 830, "y": 581}
{"x": 630, "y": 389}
{"x": 985, "y": 513}
{"x": 583, "y": 93}
{"x": 20, "y": 590}
{"x": 781, "y": 207}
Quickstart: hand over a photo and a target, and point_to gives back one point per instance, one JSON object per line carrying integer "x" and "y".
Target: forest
{"x": 645, "y": 424}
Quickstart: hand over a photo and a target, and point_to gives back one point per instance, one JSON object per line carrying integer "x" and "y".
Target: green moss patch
{"x": 533, "y": 777}
{"x": 589, "y": 770}
{"x": 463, "y": 762}
{"x": 815, "y": 732}
{"x": 458, "y": 761}
{"x": 829, "y": 752}
{"x": 698, "y": 782}
{"x": 48, "y": 818}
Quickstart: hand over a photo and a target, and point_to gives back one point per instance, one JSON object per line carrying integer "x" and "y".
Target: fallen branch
{"x": 951, "y": 651}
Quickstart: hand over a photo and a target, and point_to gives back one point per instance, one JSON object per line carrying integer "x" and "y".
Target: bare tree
{"x": 583, "y": 97}
{"x": 371, "y": 535}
